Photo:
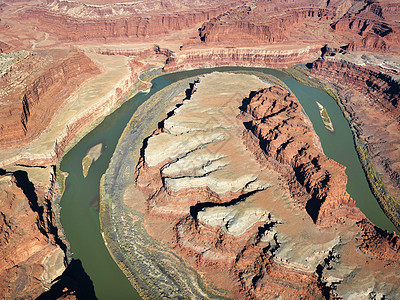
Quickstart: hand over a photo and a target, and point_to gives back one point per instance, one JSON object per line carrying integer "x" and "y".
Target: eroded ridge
{"x": 316, "y": 181}
{"x": 228, "y": 181}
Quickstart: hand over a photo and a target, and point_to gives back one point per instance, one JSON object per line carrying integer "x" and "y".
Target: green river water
{"x": 79, "y": 212}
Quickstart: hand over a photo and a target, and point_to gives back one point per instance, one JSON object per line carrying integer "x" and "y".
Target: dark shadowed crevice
{"x": 312, "y": 207}
{"x": 194, "y": 210}
{"x": 246, "y": 101}
{"x": 45, "y": 225}
{"x": 28, "y": 189}
{"x": 144, "y": 146}
{"x": 74, "y": 281}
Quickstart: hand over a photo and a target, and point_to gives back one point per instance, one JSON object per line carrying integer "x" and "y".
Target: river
{"x": 79, "y": 212}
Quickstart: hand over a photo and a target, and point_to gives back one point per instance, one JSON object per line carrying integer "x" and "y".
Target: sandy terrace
{"x": 99, "y": 92}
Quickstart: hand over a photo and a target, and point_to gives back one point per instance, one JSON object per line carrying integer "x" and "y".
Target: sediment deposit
{"x": 240, "y": 176}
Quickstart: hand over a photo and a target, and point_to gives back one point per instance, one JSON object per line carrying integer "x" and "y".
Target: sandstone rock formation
{"x": 275, "y": 122}
{"x": 34, "y": 89}
{"x": 32, "y": 254}
{"x": 247, "y": 189}
{"x": 74, "y": 21}
{"x": 46, "y": 100}
{"x": 363, "y": 25}
{"x": 252, "y": 57}
{"x": 370, "y": 93}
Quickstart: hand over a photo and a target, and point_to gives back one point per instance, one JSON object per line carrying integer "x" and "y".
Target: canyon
{"x": 65, "y": 65}
{"x": 370, "y": 96}
{"x": 241, "y": 217}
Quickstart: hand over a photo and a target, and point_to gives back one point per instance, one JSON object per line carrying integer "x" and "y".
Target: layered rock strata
{"x": 370, "y": 95}
{"x": 252, "y": 203}
{"x": 319, "y": 183}
{"x": 188, "y": 59}
{"x": 374, "y": 24}
{"x": 32, "y": 255}
{"x": 73, "y": 21}
{"x": 363, "y": 25}
{"x": 34, "y": 90}
{"x": 91, "y": 101}
{"x": 61, "y": 93}
{"x": 247, "y": 25}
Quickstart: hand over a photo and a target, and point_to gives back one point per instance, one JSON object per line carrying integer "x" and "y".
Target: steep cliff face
{"x": 244, "y": 26}
{"x": 35, "y": 89}
{"x": 277, "y": 122}
{"x": 379, "y": 243}
{"x": 373, "y": 25}
{"x": 380, "y": 87}
{"x": 370, "y": 94}
{"x": 188, "y": 59}
{"x": 363, "y": 25}
{"x": 32, "y": 254}
{"x": 72, "y": 21}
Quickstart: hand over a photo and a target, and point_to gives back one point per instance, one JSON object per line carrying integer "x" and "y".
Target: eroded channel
{"x": 80, "y": 202}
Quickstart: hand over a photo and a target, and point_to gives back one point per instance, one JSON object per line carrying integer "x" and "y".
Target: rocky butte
{"x": 233, "y": 180}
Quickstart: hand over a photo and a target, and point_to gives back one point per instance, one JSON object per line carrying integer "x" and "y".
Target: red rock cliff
{"x": 370, "y": 95}
{"x": 189, "y": 59}
{"x": 243, "y": 26}
{"x": 71, "y": 21}
{"x": 32, "y": 255}
{"x": 35, "y": 90}
{"x": 278, "y": 123}
{"x": 380, "y": 87}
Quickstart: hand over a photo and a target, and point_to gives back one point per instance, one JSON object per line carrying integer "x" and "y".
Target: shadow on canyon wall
{"x": 73, "y": 282}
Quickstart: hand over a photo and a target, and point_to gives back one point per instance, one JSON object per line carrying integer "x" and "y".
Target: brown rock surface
{"x": 364, "y": 25}
{"x": 370, "y": 94}
{"x": 256, "y": 196}
{"x": 74, "y": 21}
{"x": 193, "y": 34}
{"x": 255, "y": 57}
{"x": 275, "y": 122}
{"x": 34, "y": 89}
{"x": 32, "y": 255}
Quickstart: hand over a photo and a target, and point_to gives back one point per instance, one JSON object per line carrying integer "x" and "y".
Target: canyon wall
{"x": 72, "y": 21}
{"x": 107, "y": 104}
{"x": 251, "y": 28}
{"x": 32, "y": 253}
{"x": 380, "y": 87}
{"x": 35, "y": 89}
{"x": 362, "y": 25}
{"x": 92, "y": 101}
{"x": 370, "y": 95}
{"x": 189, "y": 59}
{"x": 276, "y": 122}
{"x": 370, "y": 26}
